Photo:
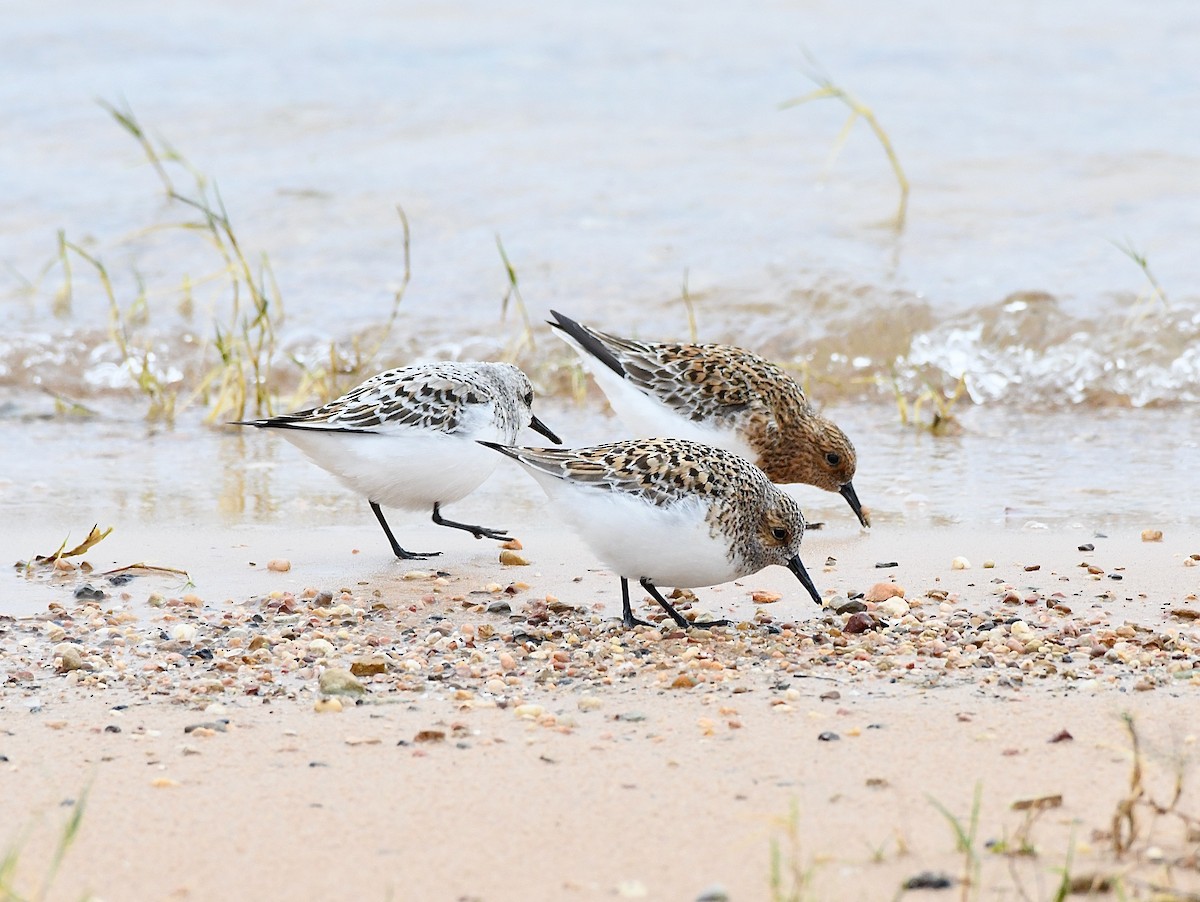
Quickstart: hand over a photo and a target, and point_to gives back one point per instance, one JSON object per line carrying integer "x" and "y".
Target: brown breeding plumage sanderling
{"x": 670, "y": 512}
{"x": 719, "y": 395}
{"x": 406, "y": 437}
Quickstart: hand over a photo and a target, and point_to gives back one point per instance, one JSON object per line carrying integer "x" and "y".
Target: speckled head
{"x": 514, "y": 395}
{"x": 774, "y": 537}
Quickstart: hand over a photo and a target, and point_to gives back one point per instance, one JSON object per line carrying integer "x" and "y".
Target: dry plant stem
{"x": 162, "y": 401}
{"x": 1156, "y": 290}
{"x": 686, "y": 297}
{"x": 964, "y": 839}
{"x": 789, "y": 887}
{"x": 343, "y": 370}
{"x": 828, "y": 90}
{"x": 514, "y": 294}
{"x": 246, "y": 345}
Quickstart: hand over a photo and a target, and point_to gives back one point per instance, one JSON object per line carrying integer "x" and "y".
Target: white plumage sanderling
{"x": 670, "y": 512}
{"x": 406, "y": 437}
{"x": 719, "y": 395}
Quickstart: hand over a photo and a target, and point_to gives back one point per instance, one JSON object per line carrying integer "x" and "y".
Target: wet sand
{"x": 542, "y": 752}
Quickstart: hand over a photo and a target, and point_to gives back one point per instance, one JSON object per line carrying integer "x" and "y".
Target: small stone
{"x": 507, "y": 661}
{"x": 88, "y": 593}
{"x": 854, "y": 606}
{"x": 1062, "y": 736}
{"x": 589, "y": 703}
{"x": 929, "y": 880}
{"x": 988, "y": 565}
{"x": 513, "y": 545}
{"x": 762, "y": 597}
{"x": 164, "y": 783}
{"x": 683, "y": 681}
{"x": 430, "y": 736}
{"x": 279, "y": 565}
{"x": 1087, "y": 546}
{"x": 512, "y": 559}
{"x": 328, "y": 705}
{"x": 68, "y": 657}
{"x": 883, "y": 591}
{"x": 334, "y": 681}
{"x": 886, "y": 565}
{"x": 185, "y": 633}
{"x": 894, "y": 607}
{"x": 529, "y": 712}
{"x": 831, "y": 696}
{"x": 368, "y": 666}
{"x": 828, "y": 736}
{"x": 859, "y": 623}
{"x": 1152, "y": 535}
{"x": 1030, "y": 568}
{"x": 960, "y": 563}
{"x": 499, "y": 607}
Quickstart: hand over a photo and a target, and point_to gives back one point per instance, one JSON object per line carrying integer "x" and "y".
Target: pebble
{"x": 334, "y": 681}
{"x": 894, "y": 607}
{"x": 929, "y": 880}
{"x": 328, "y": 705}
{"x": 279, "y": 565}
{"x": 854, "y": 606}
{"x": 368, "y": 666}
{"x": 69, "y": 658}
{"x": 883, "y": 591}
{"x": 859, "y": 623}
{"x": 828, "y": 736}
{"x": 1152, "y": 535}
{"x": 512, "y": 559}
{"x": 960, "y": 563}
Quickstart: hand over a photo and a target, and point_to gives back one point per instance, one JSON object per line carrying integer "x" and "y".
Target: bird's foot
{"x": 403, "y": 555}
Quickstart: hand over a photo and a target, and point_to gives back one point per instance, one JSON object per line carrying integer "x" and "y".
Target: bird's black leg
{"x": 675, "y": 615}
{"x": 479, "y": 532}
{"x": 626, "y": 611}
{"x": 396, "y": 549}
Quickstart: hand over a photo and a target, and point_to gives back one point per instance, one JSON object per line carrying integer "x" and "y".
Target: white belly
{"x": 670, "y": 546}
{"x": 410, "y": 470}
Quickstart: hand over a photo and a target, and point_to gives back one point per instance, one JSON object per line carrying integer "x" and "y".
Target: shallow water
{"x": 614, "y": 149}
{"x": 1005, "y": 470}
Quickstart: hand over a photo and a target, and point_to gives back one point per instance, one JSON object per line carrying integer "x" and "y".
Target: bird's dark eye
{"x": 833, "y": 458}
{"x": 779, "y": 533}
{"x": 528, "y": 399}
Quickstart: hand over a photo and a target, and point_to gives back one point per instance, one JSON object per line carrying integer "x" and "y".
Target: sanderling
{"x": 406, "y": 437}
{"x": 670, "y": 512}
{"x": 719, "y": 395}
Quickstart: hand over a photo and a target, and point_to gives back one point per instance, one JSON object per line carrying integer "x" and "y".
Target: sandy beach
{"x": 492, "y": 732}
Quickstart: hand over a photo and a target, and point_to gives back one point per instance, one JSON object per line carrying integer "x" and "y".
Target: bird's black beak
{"x": 847, "y": 492}
{"x": 797, "y": 566}
{"x": 538, "y": 426}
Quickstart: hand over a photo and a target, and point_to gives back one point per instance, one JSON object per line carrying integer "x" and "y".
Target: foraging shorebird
{"x": 406, "y": 437}
{"x": 722, "y": 396}
{"x": 670, "y": 512}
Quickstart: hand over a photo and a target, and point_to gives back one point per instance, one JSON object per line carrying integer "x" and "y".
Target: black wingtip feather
{"x": 588, "y": 342}
{"x": 495, "y": 446}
